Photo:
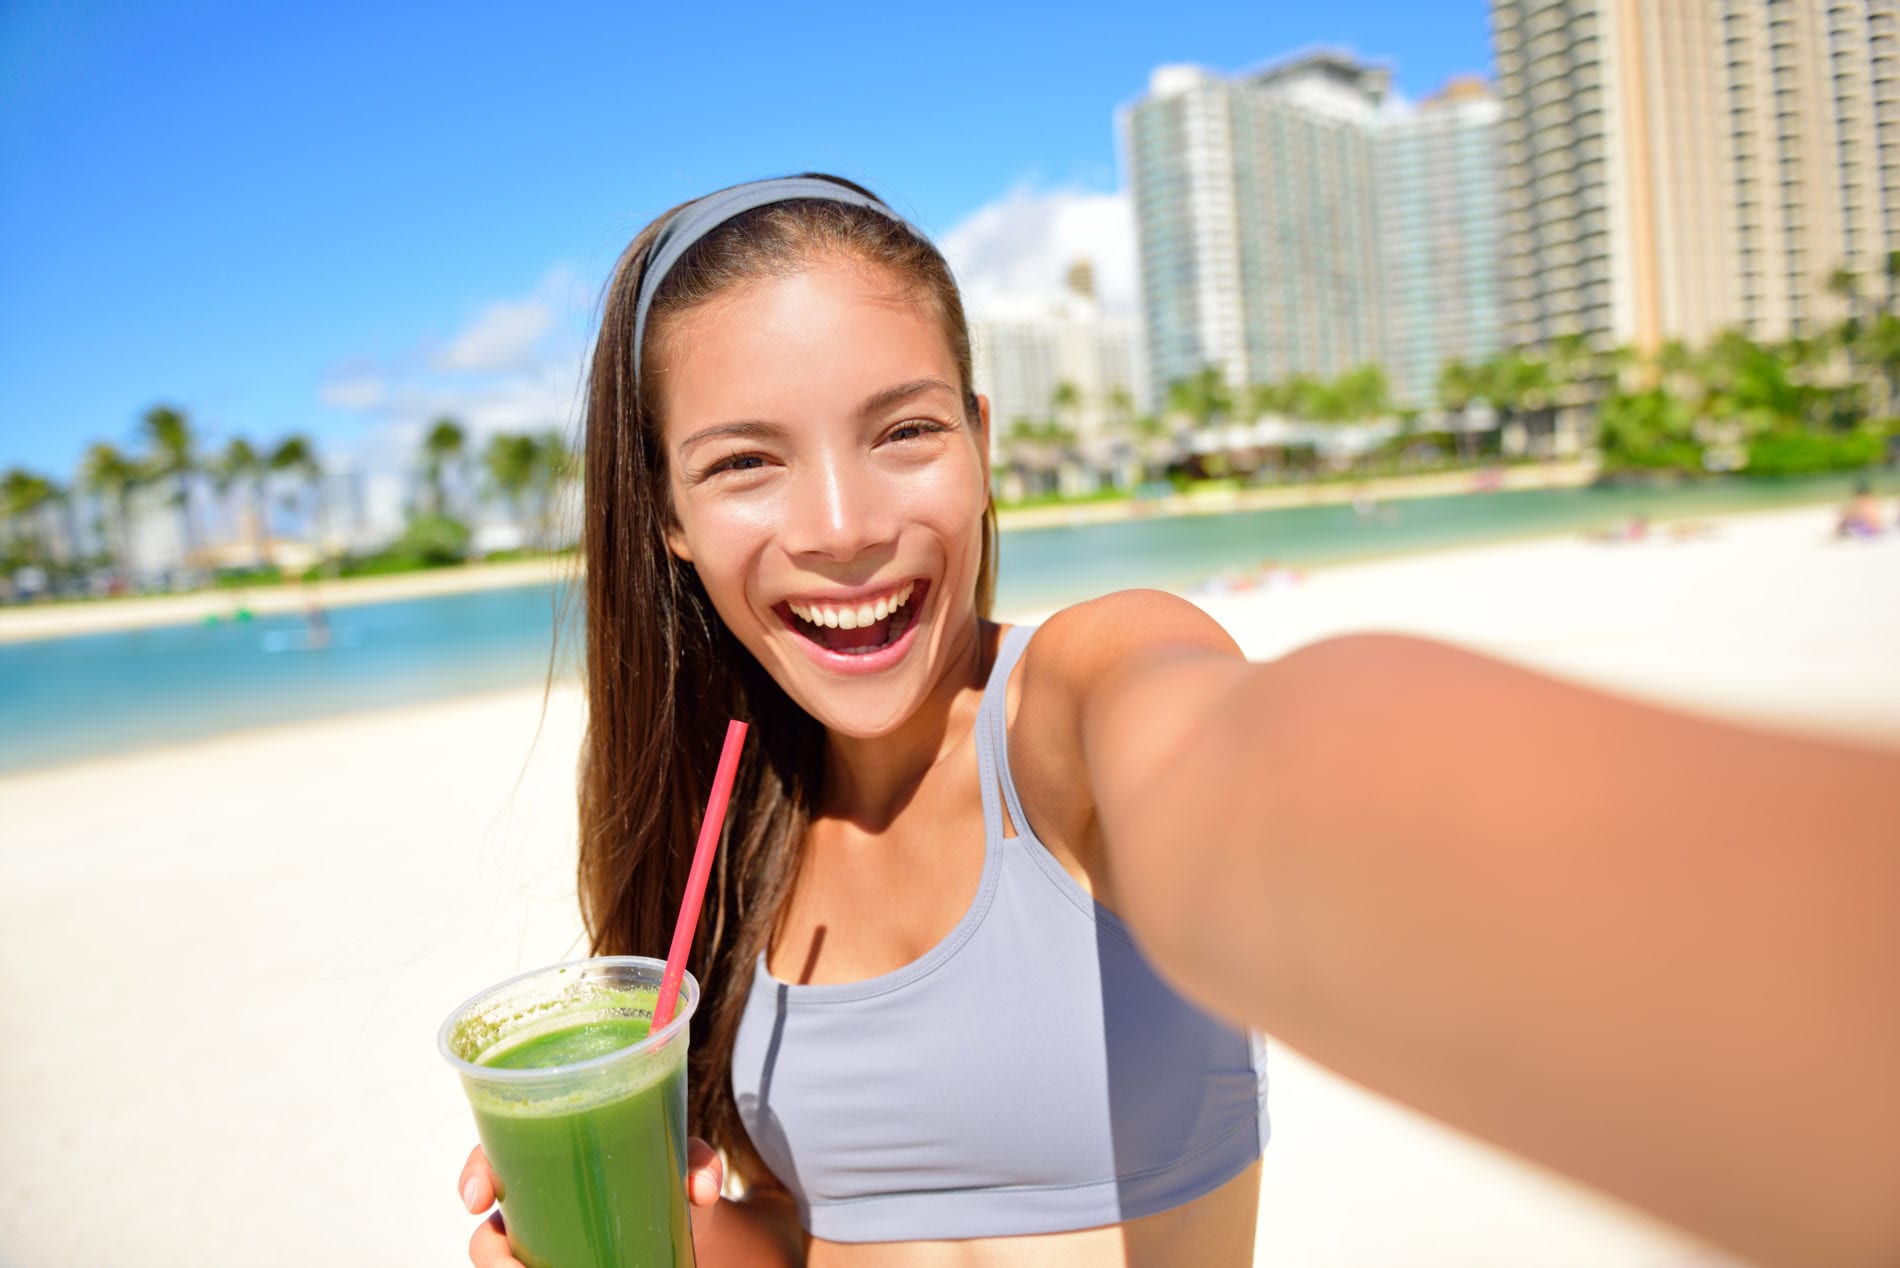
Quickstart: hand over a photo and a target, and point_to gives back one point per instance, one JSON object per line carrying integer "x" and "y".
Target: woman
{"x": 927, "y": 1036}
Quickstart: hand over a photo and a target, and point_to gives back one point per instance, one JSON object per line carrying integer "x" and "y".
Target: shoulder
{"x": 1082, "y": 647}
{"x": 1076, "y": 654}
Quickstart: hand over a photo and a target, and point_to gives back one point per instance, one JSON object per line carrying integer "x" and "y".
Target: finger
{"x": 705, "y": 1173}
{"x": 476, "y": 1184}
{"x": 488, "y": 1248}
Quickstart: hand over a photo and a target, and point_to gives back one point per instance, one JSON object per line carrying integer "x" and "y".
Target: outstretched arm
{"x": 1657, "y": 953}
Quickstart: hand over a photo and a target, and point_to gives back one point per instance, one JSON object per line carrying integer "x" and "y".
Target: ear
{"x": 676, "y": 543}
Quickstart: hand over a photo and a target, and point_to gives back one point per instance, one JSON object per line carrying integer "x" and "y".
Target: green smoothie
{"x": 594, "y": 1178}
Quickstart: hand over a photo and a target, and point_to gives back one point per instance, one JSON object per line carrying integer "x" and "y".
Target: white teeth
{"x": 853, "y": 618}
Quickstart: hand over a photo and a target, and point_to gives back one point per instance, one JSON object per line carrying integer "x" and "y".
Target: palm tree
{"x": 1516, "y": 383}
{"x": 297, "y": 456}
{"x": 172, "y": 452}
{"x": 554, "y": 465}
{"x": 113, "y": 476}
{"x": 1844, "y": 284}
{"x": 1304, "y": 396}
{"x": 1457, "y": 385}
{"x": 1363, "y": 392}
{"x": 444, "y": 446}
{"x": 1064, "y": 401}
{"x": 23, "y": 496}
{"x": 1879, "y": 345}
{"x": 511, "y": 461}
{"x": 240, "y": 463}
{"x": 1205, "y": 397}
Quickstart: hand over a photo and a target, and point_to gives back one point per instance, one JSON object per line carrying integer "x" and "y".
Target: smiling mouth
{"x": 857, "y": 630}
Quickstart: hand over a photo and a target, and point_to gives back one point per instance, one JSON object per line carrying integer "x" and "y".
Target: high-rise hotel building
{"x": 1438, "y": 227}
{"x": 1256, "y": 220}
{"x": 1679, "y": 167}
{"x": 1299, "y": 220}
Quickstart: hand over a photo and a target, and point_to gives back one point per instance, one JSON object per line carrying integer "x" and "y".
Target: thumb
{"x": 705, "y": 1173}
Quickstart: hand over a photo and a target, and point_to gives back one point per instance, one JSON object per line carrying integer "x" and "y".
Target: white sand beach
{"x": 222, "y": 965}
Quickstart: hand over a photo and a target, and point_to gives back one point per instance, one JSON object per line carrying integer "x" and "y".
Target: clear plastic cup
{"x": 582, "y": 1118}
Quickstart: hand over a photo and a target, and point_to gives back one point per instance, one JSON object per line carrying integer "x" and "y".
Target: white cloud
{"x": 516, "y": 365}
{"x": 504, "y": 336}
{"x": 353, "y": 389}
{"x": 1022, "y": 246}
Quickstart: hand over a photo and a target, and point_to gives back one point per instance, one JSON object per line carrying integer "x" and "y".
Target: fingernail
{"x": 468, "y": 1194}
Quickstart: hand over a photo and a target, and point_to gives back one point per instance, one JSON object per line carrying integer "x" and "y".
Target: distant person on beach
{"x": 1625, "y": 532}
{"x": 317, "y": 624}
{"x": 1860, "y": 518}
{"x": 1000, "y": 909}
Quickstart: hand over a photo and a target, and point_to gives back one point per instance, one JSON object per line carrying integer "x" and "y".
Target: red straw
{"x": 709, "y": 828}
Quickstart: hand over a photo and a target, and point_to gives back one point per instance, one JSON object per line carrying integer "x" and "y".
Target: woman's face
{"x": 827, "y": 485}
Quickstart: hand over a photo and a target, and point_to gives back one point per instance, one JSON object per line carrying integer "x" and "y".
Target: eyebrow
{"x": 877, "y": 402}
{"x": 744, "y": 431}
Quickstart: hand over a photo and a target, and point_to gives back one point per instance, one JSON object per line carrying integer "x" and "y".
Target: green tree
{"x": 554, "y": 466}
{"x": 1751, "y": 384}
{"x": 172, "y": 454}
{"x": 24, "y": 496}
{"x": 241, "y": 464}
{"x": 1205, "y": 397}
{"x": 112, "y": 476}
{"x": 1516, "y": 383}
{"x": 444, "y": 447}
{"x": 1305, "y": 396}
{"x": 1844, "y": 284}
{"x": 1651, "y": 427}
{"x": 1458, "y": 385}
{"x": 1879, "y": 346}
{"x": 1064, "y": 401}
{"x": 512, "y": 461}
{"x": 1363, "y": 393}
{"x": 296, "y": 456}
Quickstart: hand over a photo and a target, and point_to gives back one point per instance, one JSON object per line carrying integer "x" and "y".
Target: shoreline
{"x": 1556, "y": 475}
{"x": 76, "y": 618}
{"x": 1303, "y": 613}
{"x": 139, "y": 612}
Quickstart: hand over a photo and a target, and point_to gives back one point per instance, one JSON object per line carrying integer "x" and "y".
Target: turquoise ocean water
{"x": 63, "y": 700}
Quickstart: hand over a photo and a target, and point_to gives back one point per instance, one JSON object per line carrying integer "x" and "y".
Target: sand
{"x": 222, "y": 965}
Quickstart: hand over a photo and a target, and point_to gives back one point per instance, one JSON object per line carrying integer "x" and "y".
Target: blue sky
{"x": 338, "y": 219}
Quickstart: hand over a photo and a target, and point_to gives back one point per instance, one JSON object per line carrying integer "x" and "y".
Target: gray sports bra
{"x": 1028, "y": 1074}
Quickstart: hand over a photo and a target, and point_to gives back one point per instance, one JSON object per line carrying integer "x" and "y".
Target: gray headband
{"x": 697, "y": 219}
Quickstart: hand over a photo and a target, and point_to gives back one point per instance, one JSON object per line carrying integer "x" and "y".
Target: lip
{"x": 849, "y": 598}
{"x": 869, "y": 662}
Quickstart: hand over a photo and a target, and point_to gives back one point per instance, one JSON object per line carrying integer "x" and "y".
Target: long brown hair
{"x": 663, "y": 672}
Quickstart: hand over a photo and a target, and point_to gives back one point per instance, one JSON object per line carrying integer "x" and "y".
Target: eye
{"x": 914, "y": 428}
{"x": 733, "y": 462}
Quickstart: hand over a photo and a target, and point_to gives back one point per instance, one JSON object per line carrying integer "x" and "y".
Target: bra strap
{"x": 992, "y": 723}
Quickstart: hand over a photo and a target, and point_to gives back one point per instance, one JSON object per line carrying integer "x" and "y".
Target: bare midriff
{"x": 1214, "y": 1231}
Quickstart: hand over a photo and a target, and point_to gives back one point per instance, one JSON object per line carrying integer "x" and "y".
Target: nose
{"x": 839, "y": 511}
